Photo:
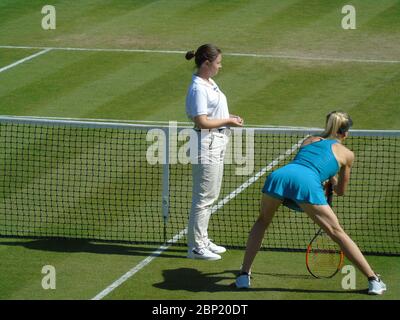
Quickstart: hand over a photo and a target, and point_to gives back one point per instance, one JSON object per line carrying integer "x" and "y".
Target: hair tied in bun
{"x": 190, "y": 55}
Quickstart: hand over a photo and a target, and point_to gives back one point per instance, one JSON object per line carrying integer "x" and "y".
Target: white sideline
{"x": 179, "y": 235}
{"x": 25, "y": 59}
{"x": 233, "y": 54}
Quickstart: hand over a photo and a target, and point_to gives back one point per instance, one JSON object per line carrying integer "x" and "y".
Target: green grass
{"x": 60, "y": 83}
{"x": 83, "y": 270}
{"x": 275, "y": 276}
{"x": 152, "y": 86}
{"x": 8, "y": 56}
{"x": 256, "y": 87}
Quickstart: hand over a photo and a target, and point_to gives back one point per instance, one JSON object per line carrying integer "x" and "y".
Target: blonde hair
{"x": 337, "y": 122}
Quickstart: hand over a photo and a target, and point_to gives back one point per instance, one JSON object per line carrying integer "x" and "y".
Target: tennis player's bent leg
{"x": 327, "y": 220}
{"x": 269, "y": 205}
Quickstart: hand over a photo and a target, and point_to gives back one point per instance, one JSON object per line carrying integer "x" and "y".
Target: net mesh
{"x": 92, "y": 181}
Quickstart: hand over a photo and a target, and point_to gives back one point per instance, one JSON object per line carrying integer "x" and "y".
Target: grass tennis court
{"x": 296, "y": 64}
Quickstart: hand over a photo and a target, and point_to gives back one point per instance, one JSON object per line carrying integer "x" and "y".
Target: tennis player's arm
{"x": 344, "y": 174}
{"x": 203, "y": 122}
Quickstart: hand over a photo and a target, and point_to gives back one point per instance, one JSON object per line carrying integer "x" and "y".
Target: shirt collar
{"x": 200, "y": 80}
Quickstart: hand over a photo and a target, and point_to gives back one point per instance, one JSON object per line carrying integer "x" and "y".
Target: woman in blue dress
{"x": 300, "y": 182}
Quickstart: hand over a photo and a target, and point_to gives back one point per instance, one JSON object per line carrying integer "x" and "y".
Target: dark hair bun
{"x": 189, "y": 55}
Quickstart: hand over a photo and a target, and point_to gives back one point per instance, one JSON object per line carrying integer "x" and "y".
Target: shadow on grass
{"x": 193, "y": 280}
{"x": 79, "y": 246}
{"x": 285, "y": 275}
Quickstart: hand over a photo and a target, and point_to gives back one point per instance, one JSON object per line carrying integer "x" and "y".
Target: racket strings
{"x": 324, "y": 257}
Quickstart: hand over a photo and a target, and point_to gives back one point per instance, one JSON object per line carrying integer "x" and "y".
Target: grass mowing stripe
{"x": 232, "y": 54}
{"x": 25, "y": 59}
{"x": 179, "y": 235}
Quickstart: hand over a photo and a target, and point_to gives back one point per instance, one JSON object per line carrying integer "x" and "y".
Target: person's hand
{"x": 333, "y": 180}
{"x": 236, "y": 121}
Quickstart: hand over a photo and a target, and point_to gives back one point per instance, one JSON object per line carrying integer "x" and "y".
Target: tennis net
{"x": 93, "y": 180}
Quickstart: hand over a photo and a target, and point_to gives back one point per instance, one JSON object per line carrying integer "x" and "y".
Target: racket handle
{"x": 329, "y": 192}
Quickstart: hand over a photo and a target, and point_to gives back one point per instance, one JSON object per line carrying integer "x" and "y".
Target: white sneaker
{"x": 243, "y": 281}
{"x": 203, "y": 254}
{"x": 376, "y": 286}
{"x": 215, "y": 249}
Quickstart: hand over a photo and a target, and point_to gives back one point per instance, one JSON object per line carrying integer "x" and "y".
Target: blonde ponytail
{"x": 337, "y": 122}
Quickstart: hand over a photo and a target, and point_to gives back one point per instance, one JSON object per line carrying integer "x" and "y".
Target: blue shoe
{"x": 243, "y": 281}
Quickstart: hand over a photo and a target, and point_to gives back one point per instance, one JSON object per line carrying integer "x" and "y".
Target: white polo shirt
{"x": 205, "y": 98}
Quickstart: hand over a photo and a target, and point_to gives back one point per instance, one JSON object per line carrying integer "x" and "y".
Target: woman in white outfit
{"x": 207, "y": 107}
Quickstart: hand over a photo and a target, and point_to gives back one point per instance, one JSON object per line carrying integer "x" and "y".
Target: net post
{"x": 165, "y": 182}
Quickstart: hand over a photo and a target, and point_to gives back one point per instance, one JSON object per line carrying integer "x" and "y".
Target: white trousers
{"x": 207, "y": 176}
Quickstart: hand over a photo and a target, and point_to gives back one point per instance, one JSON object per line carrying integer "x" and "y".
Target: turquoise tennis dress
{"x": 300, "y": 181}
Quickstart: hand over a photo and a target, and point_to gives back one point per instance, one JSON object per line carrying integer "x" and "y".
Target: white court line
{"x": 233, "y": 54}
{"x": 25, "y": 59}
{"x": 311, "y": 58}
{"x": 179, "y": 236}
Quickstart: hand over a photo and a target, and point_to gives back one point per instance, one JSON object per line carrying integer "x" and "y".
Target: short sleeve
{"x": 196, "y": 102}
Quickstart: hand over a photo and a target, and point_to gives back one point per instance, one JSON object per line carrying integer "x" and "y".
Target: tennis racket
{"x": 324, "y": 257}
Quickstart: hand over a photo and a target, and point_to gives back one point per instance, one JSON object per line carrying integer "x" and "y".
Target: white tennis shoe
{"x": 215, "y": 248}
{"x": 202, "y": 254}
{"x": 376, "y": 286}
